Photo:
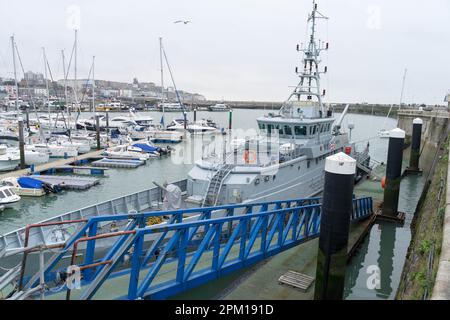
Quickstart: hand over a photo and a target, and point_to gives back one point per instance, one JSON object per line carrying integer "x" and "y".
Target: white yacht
{"x": 219, "y": 107}
{"x": 54, "y": 150}
{"x": 126, "y": 151}
{"x": 8, "y": 160}
{"x": 171, "y": 107}
{"x": 202, "y": 126}
{"x": 31, "y": 156}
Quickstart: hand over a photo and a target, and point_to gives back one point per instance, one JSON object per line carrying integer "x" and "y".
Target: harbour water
{"x": 118, "y": 182}
{"x": 384, "y": 249}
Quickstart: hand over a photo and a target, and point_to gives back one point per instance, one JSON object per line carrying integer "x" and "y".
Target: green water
{"x": 385, "y": 248}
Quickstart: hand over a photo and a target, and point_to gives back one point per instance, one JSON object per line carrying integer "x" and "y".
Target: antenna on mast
{"x": 309, "y": 84}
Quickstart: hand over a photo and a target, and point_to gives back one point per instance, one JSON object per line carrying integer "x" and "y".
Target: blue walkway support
{"x": 192, "y": 246}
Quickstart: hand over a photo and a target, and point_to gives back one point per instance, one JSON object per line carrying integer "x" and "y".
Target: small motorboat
{"x": 8, "y": 198}
{"x": 26, "y": 186}
{"x": 153, "y": 150}
{"x": 125, "y": 152}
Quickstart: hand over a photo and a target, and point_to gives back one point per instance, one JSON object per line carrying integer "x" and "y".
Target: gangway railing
{"x": 192, "y": 247}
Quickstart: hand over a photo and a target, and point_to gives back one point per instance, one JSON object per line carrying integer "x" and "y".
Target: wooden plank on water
{"x": 296, "y": 280}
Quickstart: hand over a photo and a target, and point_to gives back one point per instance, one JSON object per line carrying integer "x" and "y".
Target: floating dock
{"x": 68, "y": 182}
{"x": 82, "y": 170}
{"x": 118, "y": 163}
{"x": 78, "y": 160}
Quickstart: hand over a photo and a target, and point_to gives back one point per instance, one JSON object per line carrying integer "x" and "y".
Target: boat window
{"x": 7, "y": 192}
{"x": 281, "y": 132}
{"x": 269, "y": 128}
{"x": 262, "y": 126}
{"x": 308, "y": 164}
{"x": 300, "y": 130}
{"x": 2, "y": 196}
{"x": 288, "y": 130}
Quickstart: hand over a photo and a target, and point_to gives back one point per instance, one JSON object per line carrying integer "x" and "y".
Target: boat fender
{"x": 383, "y": 182}
{"x": 266, "y": 178}
{"x": 257, "y": 181}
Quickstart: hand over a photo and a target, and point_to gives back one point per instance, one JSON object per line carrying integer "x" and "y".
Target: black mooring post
{"x": 393, "y": 173}
{"x": 21, "y": 144}
{"x": 195, "y": 115}
{"x": 97, "y": 129}
{"x": 415, "y": 144}
{"x": 27, "y": 118}
{"x": 337, "y": 207}
{"x": 230, "y": 119}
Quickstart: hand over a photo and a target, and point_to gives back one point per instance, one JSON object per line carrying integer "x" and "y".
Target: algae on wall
{"x": 422, "y": 260}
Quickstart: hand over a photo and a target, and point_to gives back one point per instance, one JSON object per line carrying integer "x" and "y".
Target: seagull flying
{"x": 183, "y": 21}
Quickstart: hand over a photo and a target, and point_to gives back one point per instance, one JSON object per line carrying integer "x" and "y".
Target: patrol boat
{"x": 286, "y": 160}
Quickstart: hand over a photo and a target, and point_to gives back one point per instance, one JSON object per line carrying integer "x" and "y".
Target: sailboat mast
{"x": 65, "y": 78}
{"x": 162, "y": 77}
{"x": 93, "y": 84}
{"x": 46, "y": 83}
{"x": 403, "y": 89}
{"x": 15, "y": 73}
{"x": 75, "y": 82}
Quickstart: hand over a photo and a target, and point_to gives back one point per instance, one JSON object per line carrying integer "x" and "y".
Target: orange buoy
{"x": 383, "y": 182}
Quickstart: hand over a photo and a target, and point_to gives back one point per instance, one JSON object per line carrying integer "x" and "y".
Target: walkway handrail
{"x": 287, "y": 224}
{"x": 176, "y": 216}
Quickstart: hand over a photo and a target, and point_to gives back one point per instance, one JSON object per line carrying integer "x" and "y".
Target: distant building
{"x": 127, "y": 93}
{"x": 447, "y": 99}
{"x": 40, "y": 92}
{"x": 34, "y": 78}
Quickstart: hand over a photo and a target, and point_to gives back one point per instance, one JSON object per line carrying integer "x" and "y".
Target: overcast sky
{"x": 242, "y": 49}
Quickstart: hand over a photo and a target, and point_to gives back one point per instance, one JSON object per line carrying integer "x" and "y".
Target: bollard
{"x": 27, "y": 117}
{"x": 195, "y": 115}
{"x": 230, "y": 119}
{"x": 337, "y": 207}
{"x": 393, "y": 173}
{"x": 97, "y": 129}
{"x": 21, "y": 144}
{"x": 415, "y": 145}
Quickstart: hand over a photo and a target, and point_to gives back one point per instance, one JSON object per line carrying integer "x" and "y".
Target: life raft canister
{"x": 250, "y": 156}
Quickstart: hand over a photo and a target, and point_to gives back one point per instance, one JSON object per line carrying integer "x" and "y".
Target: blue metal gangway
{"x": 192, "y": 246}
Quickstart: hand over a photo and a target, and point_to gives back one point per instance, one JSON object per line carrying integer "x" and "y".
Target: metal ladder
{"x": 215, "y": 185}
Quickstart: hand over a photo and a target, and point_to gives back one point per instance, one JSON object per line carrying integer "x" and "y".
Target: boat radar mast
{"x": 309, "y": 84}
